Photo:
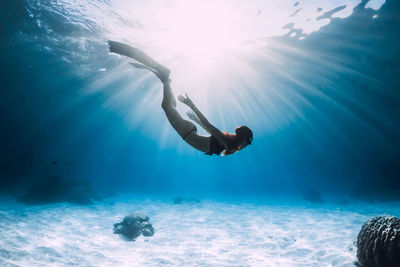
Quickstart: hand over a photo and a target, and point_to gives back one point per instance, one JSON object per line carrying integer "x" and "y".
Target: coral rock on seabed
{"x": 378, "y": 243}
{"x": 133, "y": 226}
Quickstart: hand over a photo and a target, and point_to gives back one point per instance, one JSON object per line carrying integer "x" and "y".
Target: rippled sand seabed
{"x": 210, "y": 233}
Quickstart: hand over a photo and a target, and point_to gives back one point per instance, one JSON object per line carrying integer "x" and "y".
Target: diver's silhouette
{"x": 218, "y": 141}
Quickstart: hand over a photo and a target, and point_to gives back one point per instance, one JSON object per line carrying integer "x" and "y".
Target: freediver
{"x": 218, "y": 142}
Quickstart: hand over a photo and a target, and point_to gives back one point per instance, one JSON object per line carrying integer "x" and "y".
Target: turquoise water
{"x": 317, "y": 84}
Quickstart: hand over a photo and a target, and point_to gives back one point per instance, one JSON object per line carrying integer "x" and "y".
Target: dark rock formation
{"x": 133, "y": 226}
{"x": 378, "y": 242}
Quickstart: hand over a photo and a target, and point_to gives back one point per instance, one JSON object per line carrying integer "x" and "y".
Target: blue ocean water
{"x": 322, "y": 102}
{"x": 318, "y": 83}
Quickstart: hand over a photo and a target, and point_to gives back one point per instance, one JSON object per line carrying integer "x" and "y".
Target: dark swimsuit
{"x": 194, "y": 129}
{"x": 215, "y": 147}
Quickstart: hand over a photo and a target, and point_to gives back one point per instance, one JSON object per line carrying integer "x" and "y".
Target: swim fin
{"x": 132, "y": 52}
{"x": 140, "y": 66}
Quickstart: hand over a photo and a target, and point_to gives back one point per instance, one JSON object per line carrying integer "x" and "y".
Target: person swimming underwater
{"x": 218, "y": 142}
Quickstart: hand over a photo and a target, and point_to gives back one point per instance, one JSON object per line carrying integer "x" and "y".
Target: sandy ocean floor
{"x": 210, "y": 233}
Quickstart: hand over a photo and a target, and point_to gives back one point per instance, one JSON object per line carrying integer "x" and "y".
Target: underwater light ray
{"x": 300, "y": 81}
{"x": 238, "y": 96}
{"x": 180, "y": 7}
{"x": 278, "y": 71}
{"x": 133, "y": 24}
{"x": 149, "y": 107}
{"x": 303, "y": 85}
{"x": 351, "y": 108}
{"x": 130, "y": 90}
{"x": 322, "y": 94}
{"x": 164, "y": 135}
{"x": 328, "y": 77}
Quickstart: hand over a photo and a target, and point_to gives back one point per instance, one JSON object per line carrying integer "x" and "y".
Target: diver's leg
{"x": 186, "y": 129}
{"x": 168, "y": 97}
{"x": 132, "y": 52}
{"x": 182, "y": 126}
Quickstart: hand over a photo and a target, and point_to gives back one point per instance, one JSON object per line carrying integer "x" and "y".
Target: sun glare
{"x": 201, "y": 31}
{"x": 221, "y": 49}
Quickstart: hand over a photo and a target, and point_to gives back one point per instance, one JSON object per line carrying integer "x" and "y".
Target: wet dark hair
{"x": 244, "y": 132}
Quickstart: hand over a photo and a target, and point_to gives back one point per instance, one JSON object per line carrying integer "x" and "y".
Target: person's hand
{"x": 185, "y": 100}
{"x": 192, "y": 116}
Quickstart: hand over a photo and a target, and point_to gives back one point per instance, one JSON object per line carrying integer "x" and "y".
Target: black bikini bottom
{"x": 194, "y": 129}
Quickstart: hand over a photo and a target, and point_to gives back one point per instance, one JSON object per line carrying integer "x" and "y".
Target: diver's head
{"x": 241, "y": 139}
{"x": 244, "y": 136}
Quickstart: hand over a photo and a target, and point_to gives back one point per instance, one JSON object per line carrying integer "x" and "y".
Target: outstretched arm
{"x": 204, "y": 122}
{"x": 194, "y": 118}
